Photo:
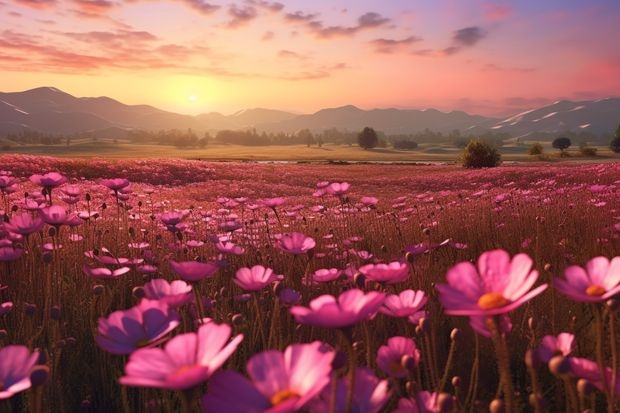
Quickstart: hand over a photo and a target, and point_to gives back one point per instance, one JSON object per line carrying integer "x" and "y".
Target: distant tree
{"x": 368, "y": 138}
{"x": 614, "y": 145}
{"x": 405, "y": 144}
{"x": 562, "y": 143}
{"x": 480, "y": 154}
{"x": 535, "y": 149}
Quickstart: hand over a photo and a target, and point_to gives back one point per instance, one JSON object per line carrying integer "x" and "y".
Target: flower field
{"x": 174, "y": 285}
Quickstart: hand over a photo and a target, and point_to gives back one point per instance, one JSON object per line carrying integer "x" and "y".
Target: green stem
{"x": 503, "y": 364}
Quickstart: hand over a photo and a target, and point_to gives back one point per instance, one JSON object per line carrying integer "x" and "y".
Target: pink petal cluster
{"x": 255, "y": 278}
{"x": 391, "y": 273}
{"x": 16, "y": 363}
{"x": 597, "y": 282}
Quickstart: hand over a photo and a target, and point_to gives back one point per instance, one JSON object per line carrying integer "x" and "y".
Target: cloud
{"x": 202, "y": 6}
{"x": 290, "y": 54}
{"x": 271, "y": 6}
{"x": 94, "y": 6}
{"x": 37, "y": 4}
{"x": 525, "y": 102}
{"x": 268, "y": 36}
{"x": 299, "y": 16}
{"x": 113, "y": 40}
{"x": 391, "y": 45}
{"x": 496, "y": 12}
{"x": 468, "y": 36}
{"x": 241, "y": 15}
{"x": 365, "y": 21}
{"x": 492, "y": 67}
{"x": 371, "y": 20}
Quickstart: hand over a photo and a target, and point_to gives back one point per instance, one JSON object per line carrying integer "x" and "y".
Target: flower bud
{"x": 497, "y": 406}
{"x": 138, "y": 292}
{"x": 39, "y": 375}
{"x": 559, "y": 365}
{"x": 98, "y": 289}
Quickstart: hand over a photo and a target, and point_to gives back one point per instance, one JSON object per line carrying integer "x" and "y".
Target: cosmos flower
{"x": 194, "y": 270}
{"x": 103, "y": 272}
{"x": 143, "y": 325}
{"x": 405, "y": 304}
{"x": 115, "y": 184}
{"x": 398, "y": 357}
{"x": 589, "y": 370}
{"x": 48, "y": 180}
{"x": 186, "y": 361}
{"x": 391, "y": 273}
{"x": 10, "y": 253}
{"x": 295, "y": 243}
{"x": 497, "y": 286}
{"x": 351, "y": 307}
{"x": 597, "y": 282}
{"x": 369, "y": 394}
{"x": 255, "y": 278}
{"x": 16, "y": 363}
{"x": 338, "y": 189}
{"x": 279, "y": 381}
{"x": 175, "y": 293}
{"x": 24, "y": 224}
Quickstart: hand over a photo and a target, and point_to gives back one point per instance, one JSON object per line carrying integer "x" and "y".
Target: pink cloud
{"x": 496, "y": 12}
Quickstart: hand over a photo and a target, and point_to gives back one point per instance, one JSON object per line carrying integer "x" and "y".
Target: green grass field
{"x": 329, "y": 152}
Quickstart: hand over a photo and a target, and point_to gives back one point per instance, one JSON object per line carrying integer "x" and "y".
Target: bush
{"x": 535, "y": 149}
{"x": 561, "y": 143}
{"x": 368, "y": 138}
{"x": 614, "y": 145}
{"x": 405, "y": 144}
{"x": 585, "y": 150}
{"x": 480, "y": 154}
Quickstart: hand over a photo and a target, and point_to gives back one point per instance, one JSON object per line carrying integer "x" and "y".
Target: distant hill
{"x": 52, "y": 111}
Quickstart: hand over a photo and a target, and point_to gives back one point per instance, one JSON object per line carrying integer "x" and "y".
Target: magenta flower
{"x": 115, "y": 184}
{"x": 186, "y": 361}
{"x": 369, "y": 394}
{"x": 143, "y": 325}
{"x": 24, "y": 224}
{"x": 175, "y": 294}
{"x": 103, "y": 272}
{"x": 599, "y": 280}
{"x": 5, "y": 307}
{"x": 54, "y": 215}
{"x": 49, "y": 180}
{"x": 226, "y": 247}
{"x": 424, "y": 402}
{"x": 498, "y": 286}
{"x": 326, "y": 275}
{"x": 272, "y": 202}
{"x": 589, "y": 370}
{"x": 255, "y": 278}
{"x": 351, "y": 307}
{"x": 194, "y": 270}
{"x": 279, "y": 381}
{"x": 338, "y": 189}
{"x": 10, "y": 253}
{"x": 391, "y": 273}
{"x": 295, "y": 243}
{"x": 16, "y": 363}
{"x": 405, "y": 304}
{"x": 391, "y": 357}
{"x": 553, "y": 346}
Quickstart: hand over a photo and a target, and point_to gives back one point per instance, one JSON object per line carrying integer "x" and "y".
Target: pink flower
{"x": 405, "y": 304}
{"x": 295, "y": 243}
{"x": 175, "y": 294}
{"x": 393, "y": 358}
{"x": 16, "y": 363}
{"x": 338, "y": 189}
{"x": 49, "y": 180}
{"x": 351, "y": 307}
{"x": 552, "y": 346}
{"x": 272, "y": 202}
{"x": 115, "y": 184}
{"x": 279, "y": 381}
{"x": 5, "y": 307}
{"x": 124, "y": 331}
{"x": 391, "y": 273}
{"x": 194, "y": 270}
{"x": 226, "y": 247}
{"x": 24, "y": 224}
{"x": 255, "y": 278}
{"x": 326, "y": 275}
{"x": 186, "y": 361}
{"x": 498, "y": 286}
{"x": 103, "y": 272}
{"x": 54, "y": 215}
{"x": 424, "y": 402}
{"x": 369, "y": 394}
{"x": 10, "y": 253}
{"x": 589, "y": 370}
{"x": 599, "y": 280}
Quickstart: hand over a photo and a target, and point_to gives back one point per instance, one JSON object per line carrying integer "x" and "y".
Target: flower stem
{"x": 503, "y": 364}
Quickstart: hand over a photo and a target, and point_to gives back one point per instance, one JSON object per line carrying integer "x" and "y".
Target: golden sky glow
{"x": 197, "y": 56}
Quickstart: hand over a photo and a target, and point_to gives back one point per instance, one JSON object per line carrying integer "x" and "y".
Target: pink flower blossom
{"x": 255, "y": 278}
{"x": 551, "y": 346}
{"x": 5, "y": 307}
{"x": 597, "y": 282}
{"x": 279, "y": 381}
{"x": 497, "y": 286}
{"x": 115, "y": 184}
{"x": 24, "y": 224}
{"x": 103, "y": 272}
{"x": 405, "y": 304}
{"x": 186, "y": 361}
{"x": 390, "y": 357}
{"x": 49, "y": 180}
{"x": 124, "y": 331}
{"x": 10, "y": 253}
{"x": 391, "y": 273}
{"x": 351, "y": 307}
{"x": 326, "y": 275}
{"x": 338, "y": 189}
{"x": 194, "y": 270}
{"x": 295, "y": 243}
{"x": 175, "y": 293}
{"x": 589, "y": 370}
{"x": 16, "y": 363}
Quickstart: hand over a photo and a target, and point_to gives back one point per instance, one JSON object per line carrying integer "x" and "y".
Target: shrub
{"x": 535, "y": 149}
{"x": 561, "y": 143}
{"x": 480, "y": 154}
{"x": 614, "y": 145}
{"x": 405, "y": 144}
{"x": 367, "y": 138}
{"x": 585, "y": 150}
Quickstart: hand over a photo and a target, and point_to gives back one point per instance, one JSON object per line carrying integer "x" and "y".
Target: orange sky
{"x": 195, "y": 56}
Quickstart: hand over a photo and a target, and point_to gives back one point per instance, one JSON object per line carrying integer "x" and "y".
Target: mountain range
{"x": 52, "y": 111}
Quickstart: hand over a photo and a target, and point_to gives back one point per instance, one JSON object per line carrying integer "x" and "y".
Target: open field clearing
{"x": 167, "y": 285}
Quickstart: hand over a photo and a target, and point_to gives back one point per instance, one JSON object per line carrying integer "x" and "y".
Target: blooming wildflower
{"x": 289, "y": 297}
{"x": 326, "y": 275}
{"x": 175, "y": 293}
{"x": 390, "y": 357}
{"x": 5, "y": 308}
{"x": 351, "y": 307}
{"x": 49, "y": 180}
{"x": 124, "y": 331}
{"x": 103, "y": 272}
{"x": 369, "y": 394}
{"x": 279, "y": 381}
{"x": 194, "y": 270}
{"x": 295, "y": 243}
{"x": 391, "y": 273}
{"x": 551, "y": 346}
{"x": 272, "y": 202}
{"x": 24, "y": 224}
{"x": 255, "y": 278}
{"x": 405, "y": 304}
{"x": 8, "y": 185}
{"x": 589, "y": 370}
{"x": 369, "y": 201}
{"x": 10, "y": 253}
{"x": 115, "y": 184}
{"x": 498, "y": 286}
{"x": 54, "y": 215}
{"x": 226, "y": 247}
{"x": 424, "y": 402}
{"x": 599, "y": 280}
{"x": 16, "y": 363}
{"x": 338, "y": 189}
{"x": 186, "y": 361}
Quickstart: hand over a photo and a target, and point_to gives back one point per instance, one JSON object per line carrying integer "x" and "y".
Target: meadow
{"x": 166, "y": 285}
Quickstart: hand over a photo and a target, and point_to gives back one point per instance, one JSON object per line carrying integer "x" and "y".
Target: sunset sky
{"x": 194, "y": 56}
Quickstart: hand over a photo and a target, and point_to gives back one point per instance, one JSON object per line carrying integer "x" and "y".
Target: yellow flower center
{"x": 142, "y": 343}
{"x": 490, "y": 301}
{"x": 282, "y": 396}
{"x": 595, "y": 290}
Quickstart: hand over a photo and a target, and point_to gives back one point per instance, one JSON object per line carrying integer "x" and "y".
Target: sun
{"x": 192, "y": 98}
